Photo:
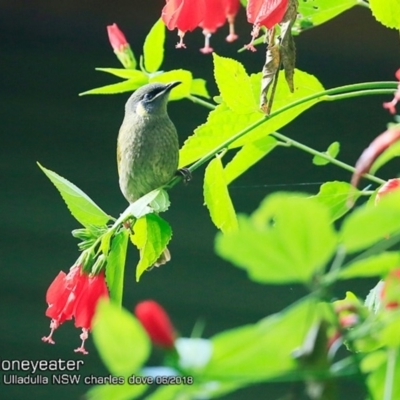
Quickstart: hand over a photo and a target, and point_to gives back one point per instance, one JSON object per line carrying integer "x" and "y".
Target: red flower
{"x": 391, "y": 105}
{"x": 390, "y": 186}
{"x": 121, "y": 47}
{"x": 214, "y": 17}
{"x": 184, "y": 15}
{"x": 266, "y": 13}
{"x": 231, "y": 9}
{"x": 390, "y": 294}
{"x": 74, "y": 295}
{"x": 156, "y": 323}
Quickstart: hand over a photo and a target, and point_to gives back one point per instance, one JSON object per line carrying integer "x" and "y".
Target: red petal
{"x": 214, "y": 17}
{"x": 56, "y": 287}
{"x": 60, "y": 296}
{"x": 231, "y": 7}
{"x": 184, "y": 15}
{"x": 156, "y": 323}
{"x": 266, "y": 12}
{"x": 90, "y": 293}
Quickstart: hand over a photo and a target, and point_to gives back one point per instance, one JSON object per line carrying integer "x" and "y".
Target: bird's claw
{"x": 185, "y": 173}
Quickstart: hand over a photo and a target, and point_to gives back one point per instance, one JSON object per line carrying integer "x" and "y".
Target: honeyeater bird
{"x": 147, "y": 147}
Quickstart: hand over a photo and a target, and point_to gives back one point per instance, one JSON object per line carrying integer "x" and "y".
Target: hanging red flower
{"x": 214, "y": 17}
{"x": 231, "y": 9}
{"x": 184, "y": 15}
{"x": 74, "y": 295}
{"x": 265, "y": 13}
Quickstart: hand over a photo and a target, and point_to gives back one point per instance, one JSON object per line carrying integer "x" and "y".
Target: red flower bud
{"x": 121, "y": 46}
{"x": 117, "y": 38}
{"x": 74, "y": 295}
{"x": 156, "y": 323}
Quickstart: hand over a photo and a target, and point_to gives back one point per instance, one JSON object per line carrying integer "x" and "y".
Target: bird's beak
{"x": 171, "y": 85}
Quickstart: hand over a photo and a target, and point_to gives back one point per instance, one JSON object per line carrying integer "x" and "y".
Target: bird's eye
{"x": 148, "y": 96}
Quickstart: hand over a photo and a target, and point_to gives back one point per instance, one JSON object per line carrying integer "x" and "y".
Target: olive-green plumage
{"x": 147, "y": 149}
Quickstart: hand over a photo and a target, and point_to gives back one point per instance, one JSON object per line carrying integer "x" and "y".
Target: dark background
{"x": 48, "y": 54}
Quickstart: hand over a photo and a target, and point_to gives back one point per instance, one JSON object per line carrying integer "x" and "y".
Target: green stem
{"x": 327, "y": 157}
{"x": 359, "y": 93}
{"x": 202, "y": 102}
{"x": 389, "y": 379}
{"x": 338, "y": 260}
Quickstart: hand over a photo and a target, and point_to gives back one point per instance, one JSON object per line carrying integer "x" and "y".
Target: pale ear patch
{"x": 140, "y": 110}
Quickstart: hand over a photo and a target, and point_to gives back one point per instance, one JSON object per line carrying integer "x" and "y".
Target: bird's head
{"x": 150, "y": 99}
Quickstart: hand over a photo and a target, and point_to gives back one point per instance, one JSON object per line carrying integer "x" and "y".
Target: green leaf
{"x": 116, "y": 266}
{"x": 223, "y": 123}
{"x": 139, "y": 208}
{"x": 126, "y": 73}
{"x": 120, "y": 339}
{"x": 153, "y": 49}
{"x": 387, "y": 12}
{"x": 247, "y": 156}
{"x": 378, "y": 265}
{"x": 332, "y": 151}
{"x": 245, "y": 354}
{"x": 316, "y": 12}
{"x": 81, "y": 206}
{"x": 198, "y": 88}
{"x": 181, "y": 91}
{"x": 232, "y": 80}
{"x": 120, "y": 87}
{"x": 372, "y": 361}
{"x": 151, "y": 236}
{"x": 161, "y": 203}
{"x": 115, "y": 392}
{"x": 391, "y": 152}
{"x": 370, "y": 224}
{"x": 289, "y": 238}
{"x": 217, "y": 199}
{"x": 335, "y": 195}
